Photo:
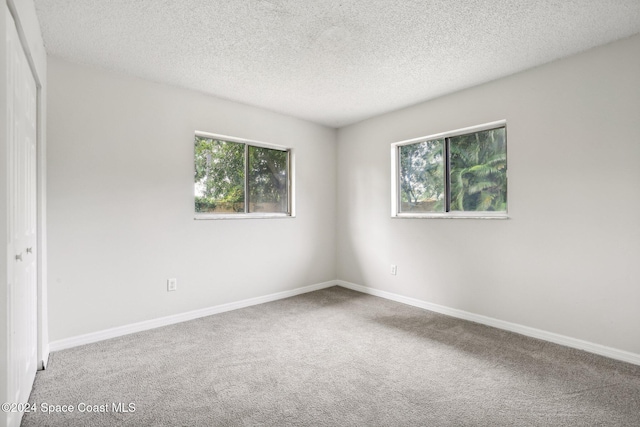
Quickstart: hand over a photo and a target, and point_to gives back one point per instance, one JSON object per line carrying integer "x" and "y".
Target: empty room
{"x": 320, "y": 213}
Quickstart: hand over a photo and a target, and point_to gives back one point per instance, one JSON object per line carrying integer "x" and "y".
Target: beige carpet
{"x": 334, "y": 358}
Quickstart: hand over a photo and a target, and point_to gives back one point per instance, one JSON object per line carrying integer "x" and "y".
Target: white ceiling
{"x": 334, "y": 62}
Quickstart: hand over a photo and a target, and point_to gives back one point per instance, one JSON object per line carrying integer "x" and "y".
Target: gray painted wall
{"x": 568, "y": 259}
{"x": 121, "y": 204}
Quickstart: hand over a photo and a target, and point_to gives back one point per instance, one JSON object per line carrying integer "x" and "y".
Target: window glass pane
{"x": 219, "y": 176}
{"x": 478, "y": 163}
{"x": 422, "y": 177}
{"x": 268, "y": 180}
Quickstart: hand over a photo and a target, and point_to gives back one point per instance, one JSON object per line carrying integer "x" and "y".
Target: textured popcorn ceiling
{"x": 333, "y": 62}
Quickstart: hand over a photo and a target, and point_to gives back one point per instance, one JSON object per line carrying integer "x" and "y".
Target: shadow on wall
{"x": 348, "y": 264}
{"x": 364, "y": 239}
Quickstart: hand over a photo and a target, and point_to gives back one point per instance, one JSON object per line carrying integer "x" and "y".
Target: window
{"x": 236, "y": 178}
{"x": 455, "y": 174}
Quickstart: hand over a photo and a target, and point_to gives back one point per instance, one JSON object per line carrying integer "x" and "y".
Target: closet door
{"x": 22, "y": 230}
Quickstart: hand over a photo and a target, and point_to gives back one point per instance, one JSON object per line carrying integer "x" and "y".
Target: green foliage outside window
{"x": 268, "y": 180}
{"x": 476, "y": 179}
{"x": 479, "y": 171}
{"x": 219, "y": 175}
{"x": 221, "y": 170}
{"x": 422, "y": 176}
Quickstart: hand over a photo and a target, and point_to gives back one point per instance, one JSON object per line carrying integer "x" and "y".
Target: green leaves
{"x": 223, "y": 173}
{"x": 267, "y": 180}
{"x": 219, "y": 175}
{"x": 478, "y": 164}
{"x": 422, "y": 176}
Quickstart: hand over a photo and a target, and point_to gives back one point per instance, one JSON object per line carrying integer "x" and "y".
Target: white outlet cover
{"x": 394, "y": 269}
{"x": 172, "y": 285}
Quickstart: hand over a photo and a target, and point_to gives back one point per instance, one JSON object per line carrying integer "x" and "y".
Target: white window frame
{"x": 395, "y": 182}
{"x": 253, "y": 215}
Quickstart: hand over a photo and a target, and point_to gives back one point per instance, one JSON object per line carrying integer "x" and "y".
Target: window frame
{"x": 395, "y": 179}
{"x": 251, "y": 215}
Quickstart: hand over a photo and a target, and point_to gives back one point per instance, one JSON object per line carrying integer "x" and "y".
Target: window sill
{"x": 206, "y": 216}
{"x": 450, "y": 215}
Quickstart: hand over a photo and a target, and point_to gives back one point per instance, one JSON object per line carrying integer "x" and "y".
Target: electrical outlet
{"x": 394, "y": 269}
{"x": 172, "y": 284}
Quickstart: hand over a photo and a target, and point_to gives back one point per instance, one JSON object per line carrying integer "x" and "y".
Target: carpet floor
{"x": 333, "y": 357}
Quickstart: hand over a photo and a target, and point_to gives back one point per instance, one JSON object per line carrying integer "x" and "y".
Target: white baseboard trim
{"x": 590, "y": 347}
{"x": 178, "y": 318}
